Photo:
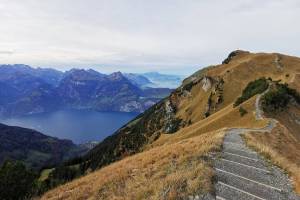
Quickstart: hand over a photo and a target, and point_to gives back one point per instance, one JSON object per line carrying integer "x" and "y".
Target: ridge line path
{"x": 242, "y": 174}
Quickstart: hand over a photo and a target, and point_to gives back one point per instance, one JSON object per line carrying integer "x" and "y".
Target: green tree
{"x": 16, "y": 182}
{"x": 278, "y": 98}
{"x": 253, "y": 88}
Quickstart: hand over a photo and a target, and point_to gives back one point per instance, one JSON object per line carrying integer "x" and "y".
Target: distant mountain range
{"x": 25, "y": 90}
{"x": 155, "y": 80}
{"x": 34, "y": 148}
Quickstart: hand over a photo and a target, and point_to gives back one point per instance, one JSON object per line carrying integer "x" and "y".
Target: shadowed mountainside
{"x": 34, "y": 148}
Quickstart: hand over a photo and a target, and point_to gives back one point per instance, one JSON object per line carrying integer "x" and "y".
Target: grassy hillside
{"x": 196, "y": 111}
{"x": 167, "y": 172}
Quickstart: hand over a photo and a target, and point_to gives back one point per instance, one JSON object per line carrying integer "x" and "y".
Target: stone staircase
{"x": 242, "y": 174}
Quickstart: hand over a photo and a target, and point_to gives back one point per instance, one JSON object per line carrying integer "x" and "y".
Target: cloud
{"x": 128, "y": 35}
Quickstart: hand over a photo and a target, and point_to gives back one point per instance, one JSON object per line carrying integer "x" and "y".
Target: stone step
{"x": 253, "y": 173}
{"x": 244, "y": 175}
{"x": 256, "y": 188}
{"x": 245, "y": 160}
{"x": 241, "y": 152}
{"x": 235, "y": 146}
{"x": 225, "y": 192}
{"x": 233, "y": 138}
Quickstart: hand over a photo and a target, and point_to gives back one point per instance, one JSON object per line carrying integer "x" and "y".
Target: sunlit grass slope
{"x": 170, "y": 171}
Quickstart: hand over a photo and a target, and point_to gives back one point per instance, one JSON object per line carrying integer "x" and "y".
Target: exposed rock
{"x": 171, "y": 124}
{"x": 216, "y": 95}
{"x": 169, "y": 108}
{"x": 186, "y": 93}
{"x": 207, "y": 83}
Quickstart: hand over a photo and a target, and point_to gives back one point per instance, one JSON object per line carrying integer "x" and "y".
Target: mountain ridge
{"x": 26, "y": 90}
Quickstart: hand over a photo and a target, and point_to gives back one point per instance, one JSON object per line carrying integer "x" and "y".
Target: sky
{"x": 169, "y": 36}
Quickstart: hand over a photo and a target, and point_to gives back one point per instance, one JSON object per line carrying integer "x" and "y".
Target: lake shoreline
{"x": 80, "y": 126}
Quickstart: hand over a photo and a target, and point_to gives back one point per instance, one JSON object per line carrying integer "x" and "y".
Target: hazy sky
{"x": 174, "y": 36}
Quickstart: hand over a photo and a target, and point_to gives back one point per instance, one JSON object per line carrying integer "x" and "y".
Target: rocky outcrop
{"x": 216, "y": 96}
{"x": 172, "y": 123}
{"x": 206, "y": 83}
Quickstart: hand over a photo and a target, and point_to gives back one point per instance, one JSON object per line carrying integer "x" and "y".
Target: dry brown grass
{"x": 281, "y": 147}
{"x": 171, "y": 171}
{"x": 289, "y": 119}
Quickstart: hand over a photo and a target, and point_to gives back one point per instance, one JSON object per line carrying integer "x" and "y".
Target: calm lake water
{"x": 78, "y": 125}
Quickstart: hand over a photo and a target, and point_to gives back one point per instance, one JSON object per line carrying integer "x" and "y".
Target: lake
{"x": 77, "y": 125}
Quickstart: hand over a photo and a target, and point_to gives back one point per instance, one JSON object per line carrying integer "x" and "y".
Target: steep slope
{"x": 33, "y": 148}
{"x": 202, "y": 105}
{"x": 160, "y": 173}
